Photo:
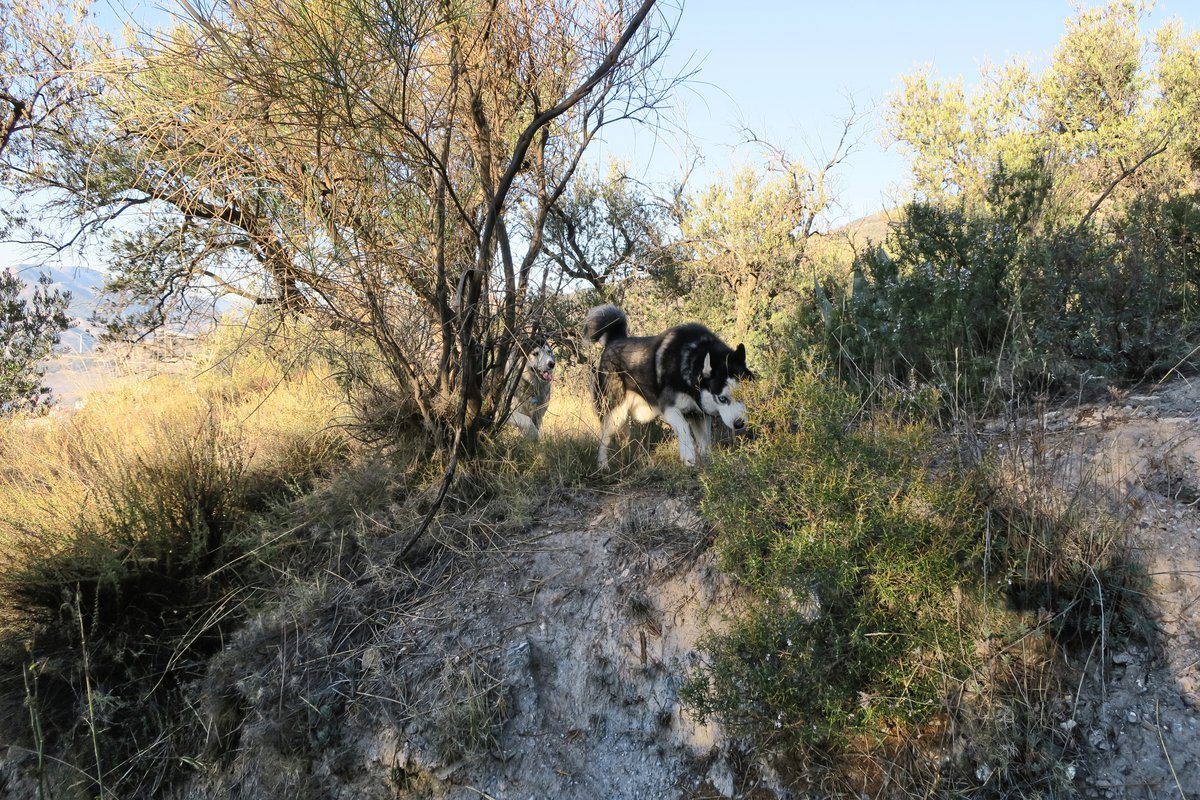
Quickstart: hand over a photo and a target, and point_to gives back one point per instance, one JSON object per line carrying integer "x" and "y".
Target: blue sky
{"x": 790, "y": 70}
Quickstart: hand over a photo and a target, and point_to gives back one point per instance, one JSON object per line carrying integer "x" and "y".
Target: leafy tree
{"x": 1054, "y": 227}
{"x": 387, "y": 168}
{"x": 604, "y": 230}
{"x": 44, "y": 49}
{"x": 981, "y": 304}
{"x": 748, "y": 239}
{"x": 1111, "y": 118}
{"x": 29, "y": 329}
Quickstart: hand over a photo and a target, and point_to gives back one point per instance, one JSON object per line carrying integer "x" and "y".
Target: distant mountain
{"x": 87, "y": 293}
{"x": 85, "y": 286}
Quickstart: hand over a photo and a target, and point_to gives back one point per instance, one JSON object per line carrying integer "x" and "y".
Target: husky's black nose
{"x": 738, "y": 424}
{"x": 550, "y": 364}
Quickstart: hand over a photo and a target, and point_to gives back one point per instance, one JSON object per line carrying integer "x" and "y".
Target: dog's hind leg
{"x": 611, "y": 422}
{"x": 683, "y": 431}
{"x": 701, "y": 426}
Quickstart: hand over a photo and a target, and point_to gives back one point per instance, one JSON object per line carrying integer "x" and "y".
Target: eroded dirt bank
{"x": 1138, "y": 714}
{"x": 546, "y": 666}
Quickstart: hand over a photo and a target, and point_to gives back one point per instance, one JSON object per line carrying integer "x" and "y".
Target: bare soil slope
{"x": 1140, "y": 724}
{"x": 546, "y": 666}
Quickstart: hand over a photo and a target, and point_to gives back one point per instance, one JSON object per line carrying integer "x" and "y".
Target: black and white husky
{"x": 532, "y": 396}
{"x": 686, "y": 375}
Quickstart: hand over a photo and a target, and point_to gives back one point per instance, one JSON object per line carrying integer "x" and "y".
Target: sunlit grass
{"x": 124, "y": 530}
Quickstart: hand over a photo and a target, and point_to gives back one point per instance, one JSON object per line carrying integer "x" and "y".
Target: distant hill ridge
{"x": 86, "y": 287}
{"x": 872, "y": 228}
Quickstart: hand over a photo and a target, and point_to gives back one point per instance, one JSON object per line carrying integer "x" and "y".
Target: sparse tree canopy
{"x": 389, "y": 167}
{"x": 748, "y": 238}
{"x": 604, "y": 230}
{"x": 44, "y": 48}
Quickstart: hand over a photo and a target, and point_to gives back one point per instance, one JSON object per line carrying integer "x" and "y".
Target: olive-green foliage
{"x": 605, "y": 229}
{"x": 1113, "y": 116}
{"x": 29, "y": 329}
{"x": 978, "y": 301}
{"x": 857, "y": 555}
{"x": 1053, "y": 235}
{"x": 899, "y": 606}
{"x": 744, "y": 247}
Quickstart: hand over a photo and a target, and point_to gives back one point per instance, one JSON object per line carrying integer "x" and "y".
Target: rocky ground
{"x": 548, "y": 668}
{"x": 1139, "y": 709}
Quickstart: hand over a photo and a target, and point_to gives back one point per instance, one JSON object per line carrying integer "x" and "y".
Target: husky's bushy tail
{"x": 605, "y": 324}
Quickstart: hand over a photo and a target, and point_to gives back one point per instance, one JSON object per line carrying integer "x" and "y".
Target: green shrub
{"x": 899, "y": 607}
{"x": 857, "y": 555}
{"x": 985, "y": 301}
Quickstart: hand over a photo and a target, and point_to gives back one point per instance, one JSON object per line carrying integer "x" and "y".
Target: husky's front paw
{"x": 688, "y": 462}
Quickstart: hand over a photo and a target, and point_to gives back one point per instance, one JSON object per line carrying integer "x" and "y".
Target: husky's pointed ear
{"x": 706, "y": 372}
{"x": 737, "y": 366}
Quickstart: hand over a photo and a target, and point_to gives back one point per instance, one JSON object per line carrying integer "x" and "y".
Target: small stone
{"x": 1122, "y": 658}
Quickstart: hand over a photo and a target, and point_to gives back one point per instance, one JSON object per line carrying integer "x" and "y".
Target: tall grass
{"x": 118, "y": 528}
{"x": 139, "y": 533}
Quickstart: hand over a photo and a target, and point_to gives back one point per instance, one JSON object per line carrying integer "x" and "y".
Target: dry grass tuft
{"x": 128, "y": 552}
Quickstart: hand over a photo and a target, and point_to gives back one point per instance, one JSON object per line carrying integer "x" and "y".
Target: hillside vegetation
{"x": 318, "y": 562}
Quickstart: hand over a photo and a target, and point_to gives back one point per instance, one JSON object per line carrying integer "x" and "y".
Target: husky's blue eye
{"x": 723, "y": 400}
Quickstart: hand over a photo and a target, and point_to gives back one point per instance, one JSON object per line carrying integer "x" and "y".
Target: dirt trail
{"x": 1141, "y": 730}
{"x": 593, "y": 652}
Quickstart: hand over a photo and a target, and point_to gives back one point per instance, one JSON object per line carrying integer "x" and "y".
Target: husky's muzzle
{"x": 541, "y": 361}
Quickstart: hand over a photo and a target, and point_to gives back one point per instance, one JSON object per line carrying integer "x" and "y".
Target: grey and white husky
{"x": 686, "y": 375}
{"x": 532, "y": 396}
